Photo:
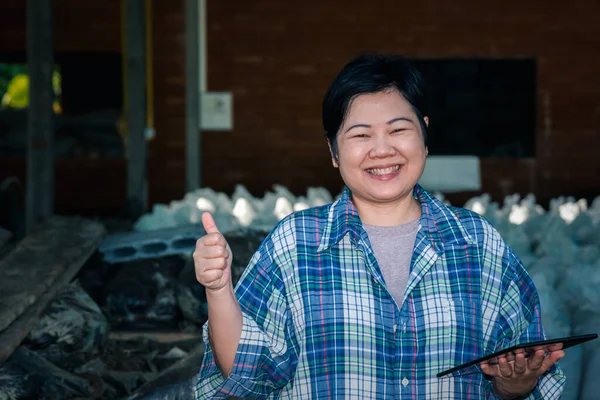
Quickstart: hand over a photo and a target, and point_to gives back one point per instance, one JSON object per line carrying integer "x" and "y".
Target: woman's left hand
{"x": 517, "y": 374}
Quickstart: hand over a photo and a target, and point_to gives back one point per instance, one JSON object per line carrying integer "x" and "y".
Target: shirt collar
{"x": 438, "y": 222}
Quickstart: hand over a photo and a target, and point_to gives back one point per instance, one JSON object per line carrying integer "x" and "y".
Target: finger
{"x": 211, "y": 276}
{"x": 208, "y": 223}
{"x": 557, "y": 355}
{"x": 550, "y": 360}
{"x": 490, "y": 370}
{"x": 554, "y": 347}
{"x": 520, "y": 363}
{"x": 510, "y": 356}
{"x": 218, "y": 251}
{"x": 211, "y": 239}
{"x": 505, "y": 368}
{"x": 213, "y": 264}
{"x": 536, "y": 360}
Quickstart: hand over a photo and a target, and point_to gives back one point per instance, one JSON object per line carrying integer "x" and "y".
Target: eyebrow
{"x": 391, "y": 121}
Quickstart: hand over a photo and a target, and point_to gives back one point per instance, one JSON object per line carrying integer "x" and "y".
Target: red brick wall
{"x": 79, "y": 25}
{"x": 278, "y": 58}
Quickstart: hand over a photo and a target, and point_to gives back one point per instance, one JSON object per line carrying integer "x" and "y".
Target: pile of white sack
{"x": 559, "y": 246}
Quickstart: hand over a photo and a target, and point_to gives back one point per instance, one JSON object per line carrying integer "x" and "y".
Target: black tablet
{"x": 567, "y": 342}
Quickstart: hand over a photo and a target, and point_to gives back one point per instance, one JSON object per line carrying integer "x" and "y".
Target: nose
{"x": 382, "y": 146}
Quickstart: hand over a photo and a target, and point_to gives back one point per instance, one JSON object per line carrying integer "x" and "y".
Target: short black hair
{"x": 372, "y": 73}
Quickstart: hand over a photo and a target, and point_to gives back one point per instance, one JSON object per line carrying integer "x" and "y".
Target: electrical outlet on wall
{"x": 216, "y": 111}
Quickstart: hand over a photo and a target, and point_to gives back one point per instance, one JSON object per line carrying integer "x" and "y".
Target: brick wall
{"x": 79, "y": 25}
{"x": 278, "y": 58}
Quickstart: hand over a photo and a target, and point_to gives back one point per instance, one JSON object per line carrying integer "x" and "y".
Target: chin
{"x": 387, "y": 197}
{"x": 382, "y": 195}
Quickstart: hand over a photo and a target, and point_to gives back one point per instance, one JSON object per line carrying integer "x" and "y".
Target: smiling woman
{"x": 371, "y": 296}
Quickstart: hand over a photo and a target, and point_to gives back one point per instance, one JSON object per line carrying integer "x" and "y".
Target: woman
{"x": 371, "y": 296}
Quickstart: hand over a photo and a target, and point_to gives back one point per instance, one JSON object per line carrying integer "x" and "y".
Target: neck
{"x": 401, "y": 211}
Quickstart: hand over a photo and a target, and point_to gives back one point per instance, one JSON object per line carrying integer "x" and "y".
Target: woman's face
{"x": 381, "y": 151}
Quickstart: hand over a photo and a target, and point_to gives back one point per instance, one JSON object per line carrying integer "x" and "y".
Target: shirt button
{"x": 405, "y": 382}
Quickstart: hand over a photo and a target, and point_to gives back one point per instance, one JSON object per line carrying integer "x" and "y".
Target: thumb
{"x": 208, "y": 222}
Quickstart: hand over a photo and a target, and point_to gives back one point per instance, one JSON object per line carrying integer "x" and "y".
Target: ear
{"x": 333, "y": 159}
{"x": 426, "y": 119}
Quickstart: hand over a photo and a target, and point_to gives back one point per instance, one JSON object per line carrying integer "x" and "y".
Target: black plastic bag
{"x": 141, "y": 294}
{"x": 71, "y": 331}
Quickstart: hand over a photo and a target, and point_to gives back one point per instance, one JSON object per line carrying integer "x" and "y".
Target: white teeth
{"x": 383, "y": 171}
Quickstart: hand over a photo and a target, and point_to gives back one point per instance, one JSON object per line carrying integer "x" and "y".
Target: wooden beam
{"x": 135, "y": 32}
{"x": 40, "y": 126}
{"x": 41, "y": 264}
{"x": 192, "y": 97}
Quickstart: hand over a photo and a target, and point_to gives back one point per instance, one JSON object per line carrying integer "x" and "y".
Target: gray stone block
{"x": 130, "y": 246}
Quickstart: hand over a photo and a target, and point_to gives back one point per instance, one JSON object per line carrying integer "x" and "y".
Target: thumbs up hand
{"x": 212, "y": 257}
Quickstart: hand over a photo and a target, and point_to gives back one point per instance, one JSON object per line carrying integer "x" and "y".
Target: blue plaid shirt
{"x": 319, "y": 323}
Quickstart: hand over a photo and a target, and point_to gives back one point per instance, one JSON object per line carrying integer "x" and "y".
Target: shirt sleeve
{"x": 520, "y": 322}
{"x": 266, "y": 357}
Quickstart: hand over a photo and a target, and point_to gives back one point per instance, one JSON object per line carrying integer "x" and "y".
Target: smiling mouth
{"x": 384, "y": 171}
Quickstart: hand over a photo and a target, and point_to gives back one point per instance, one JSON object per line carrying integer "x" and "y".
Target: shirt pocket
{"x": 468, "y": 338}
{"x": 452, "y": 333}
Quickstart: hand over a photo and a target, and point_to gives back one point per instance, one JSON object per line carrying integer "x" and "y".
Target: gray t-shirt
{"x": 393, "y": 247}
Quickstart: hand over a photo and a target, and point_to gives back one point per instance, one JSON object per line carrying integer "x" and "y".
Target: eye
{"x": 361, "y": 135}
{"x": 399, "y": 130}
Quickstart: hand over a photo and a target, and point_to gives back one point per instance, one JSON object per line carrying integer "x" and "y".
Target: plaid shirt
{"x": 319, "y": 323}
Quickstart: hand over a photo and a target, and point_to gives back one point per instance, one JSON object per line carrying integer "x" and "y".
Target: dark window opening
{"x": 92, "y": 82}
{"x": 481, "y": 107}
